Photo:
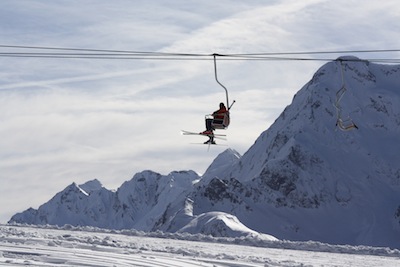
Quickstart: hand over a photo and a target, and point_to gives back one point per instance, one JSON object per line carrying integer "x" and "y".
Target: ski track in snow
{"x": 35, "y": 246}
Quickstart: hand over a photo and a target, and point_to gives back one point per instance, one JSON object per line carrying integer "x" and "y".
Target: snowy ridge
{"x": 221, "y": 165}
{"x": 219, "y": 224}
{"x": 303, "y": 179}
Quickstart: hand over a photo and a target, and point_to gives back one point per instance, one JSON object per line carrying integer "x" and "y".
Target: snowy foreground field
{"x": 70, "y": 246}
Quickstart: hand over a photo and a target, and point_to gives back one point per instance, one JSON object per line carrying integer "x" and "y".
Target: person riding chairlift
{"x": 218, "y": 116}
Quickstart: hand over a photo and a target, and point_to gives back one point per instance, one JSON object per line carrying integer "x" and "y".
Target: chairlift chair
{"x": 220, "y": 122}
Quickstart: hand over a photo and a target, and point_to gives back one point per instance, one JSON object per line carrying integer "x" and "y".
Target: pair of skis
{"x": 216, "y": 136}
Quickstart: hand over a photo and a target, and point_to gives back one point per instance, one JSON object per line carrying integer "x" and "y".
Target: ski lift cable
{"x": 199, "y": 54}
{"x": 84, "y": 49}
{"x": 87, "y": 53}
{"x": 317, "y": 52}
{"x": 176, "y": 57}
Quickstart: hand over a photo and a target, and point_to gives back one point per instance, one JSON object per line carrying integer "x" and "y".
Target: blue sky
{"x": 72, "y": 120}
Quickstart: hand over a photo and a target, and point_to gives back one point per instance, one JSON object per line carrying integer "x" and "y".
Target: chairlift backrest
{"x": 221, "y": 121}
{"x": 346, "y": 125}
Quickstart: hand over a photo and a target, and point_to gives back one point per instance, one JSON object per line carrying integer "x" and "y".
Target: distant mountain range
{"x": 328, "y": 170}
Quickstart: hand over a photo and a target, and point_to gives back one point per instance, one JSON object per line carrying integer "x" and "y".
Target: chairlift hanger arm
{"x": 216, "y": 78}
{"x": 348, "y": 123}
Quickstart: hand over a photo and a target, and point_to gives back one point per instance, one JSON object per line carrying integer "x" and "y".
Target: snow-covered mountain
{"x": 138, "y": 203}
{"x": 328, "y": 169}
{"x": 305, "y": 178}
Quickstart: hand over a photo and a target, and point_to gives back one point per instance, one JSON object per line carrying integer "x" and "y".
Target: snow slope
{"x": 70, "y": 246}
{"x": 303, "y": 179}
